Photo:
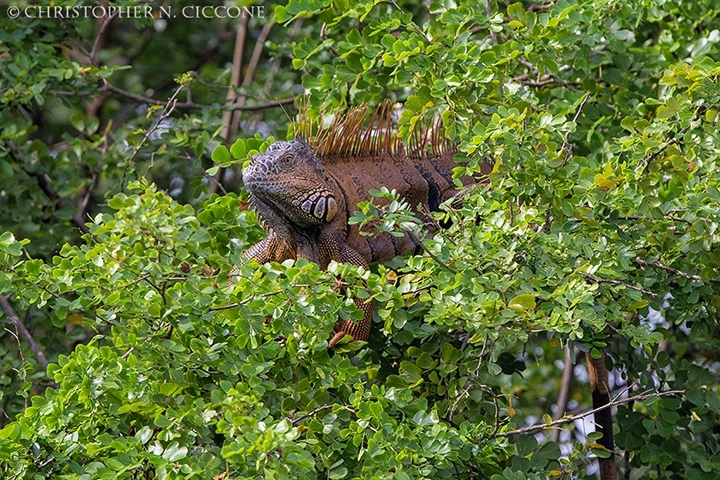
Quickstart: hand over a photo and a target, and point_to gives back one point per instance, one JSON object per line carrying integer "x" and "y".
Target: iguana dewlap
{"x": 305, "y": 195}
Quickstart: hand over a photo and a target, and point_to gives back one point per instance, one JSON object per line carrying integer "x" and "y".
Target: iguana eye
{"x": 287, "y": 159}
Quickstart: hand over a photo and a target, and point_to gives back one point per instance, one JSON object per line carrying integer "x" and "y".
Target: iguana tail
{"x": 599, "y": 384}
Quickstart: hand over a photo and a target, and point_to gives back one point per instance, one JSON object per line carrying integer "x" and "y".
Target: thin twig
{"x": 311, "y": 413}
{"x": 566, "y": 143}
{"x": 646, "y": 161}
{"x": 541, "y": 81}
{"x": 618, "y": 282}
{"x": 470, "y": 384}
{"x": 674, "y": 271}
{"x": 473, "y": 382}
{"x": 169, "y": 107}
{"x": 488, "y": 14}
{"x": 417, "y": 29}
{"x": 27, "y": 336}
{"x": 545, "y": 81}
{"x": 427, "y": 250}
{"x": 99, "y": 38}
{"x": 20, "y": 352}
{"x": 193, "y": 105}
{"x": 664, "y": 217}
{"x": 613, "y": 403}
{"x": 254, "y": 297}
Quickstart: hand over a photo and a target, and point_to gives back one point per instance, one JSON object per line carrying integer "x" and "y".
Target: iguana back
{"x": 306, "y": 190}
{"x": 420, "y": 181}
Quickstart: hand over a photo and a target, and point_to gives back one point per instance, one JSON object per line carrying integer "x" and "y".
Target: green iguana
{"x": 305, "y": 190}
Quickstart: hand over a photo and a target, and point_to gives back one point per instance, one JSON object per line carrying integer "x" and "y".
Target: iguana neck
{"x": 274, "y": 222}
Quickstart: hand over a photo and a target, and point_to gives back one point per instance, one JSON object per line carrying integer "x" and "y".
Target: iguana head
{"x": 289, "y": 178}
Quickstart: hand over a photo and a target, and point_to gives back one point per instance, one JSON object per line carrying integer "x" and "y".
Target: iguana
{"x": 306, "y": 189}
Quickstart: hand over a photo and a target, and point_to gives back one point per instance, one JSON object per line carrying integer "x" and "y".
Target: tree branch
{"x": 99, "y": 39}
{"x": 169, "y": 107}
{"x": 618, "y": 282}
{"x": 646, "y": 161}
{"x": 675, "y": 271}
{"x": 22, "y": 330}
{"x": 566, "y": 142}
{"x": 192, "y": 105}
{"x": 564, "y": 393}
{"x": 488, "y": 14}
{"x": 539, "y": 7}
{"x": 255, "y": 57}
{"x": 613, "y": 403}
{"x": 46, "y": 186}
{"x": 230, "y": 118}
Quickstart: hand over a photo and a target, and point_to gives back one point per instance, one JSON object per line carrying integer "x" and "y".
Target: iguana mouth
{"x": 308, "y": 206}
{"x": 321, "y": 205}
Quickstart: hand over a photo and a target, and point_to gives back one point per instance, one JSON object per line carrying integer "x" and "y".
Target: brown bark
{"x": 599, "y": 385}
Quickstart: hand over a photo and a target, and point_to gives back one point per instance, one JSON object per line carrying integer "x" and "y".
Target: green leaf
{"x": 410, "y": 372}
{"x": 144, "y": 434}
{"x": 425, "y": 361}
{"x": 526, "y": 445}
{"x": 221, "y": 154}
{"x": 414, "y": 103}
{"x": 522, "y": 303}
{"x": 516, "y": 11}
{"x": 340, "y": 472}
{"x": 599, "y": 450}
{"x": 11, "y": 431}
{"x": 9, "y": 245}
{"x": 238, "y": 149}
{"x": 174, "y": 452}
{"x": 422, "y": 418}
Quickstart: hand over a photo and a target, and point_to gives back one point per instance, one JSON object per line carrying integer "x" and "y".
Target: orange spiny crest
{"x": 351, "y": 134}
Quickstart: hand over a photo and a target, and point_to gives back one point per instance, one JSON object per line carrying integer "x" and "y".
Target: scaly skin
{"x": 305, "y": 205}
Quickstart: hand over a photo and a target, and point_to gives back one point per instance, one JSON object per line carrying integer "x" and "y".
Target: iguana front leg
{"x": 357, "y": 330}
{"x": 271, "y": 249}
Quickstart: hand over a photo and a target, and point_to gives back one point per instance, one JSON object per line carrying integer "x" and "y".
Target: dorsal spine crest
{"x": 351, "y": 135}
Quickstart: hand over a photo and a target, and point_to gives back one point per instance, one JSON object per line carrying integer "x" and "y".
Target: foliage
{"x": 598, "y": 229}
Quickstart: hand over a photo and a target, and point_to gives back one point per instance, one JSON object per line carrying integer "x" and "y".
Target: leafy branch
{"x": 675, "y": 139}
